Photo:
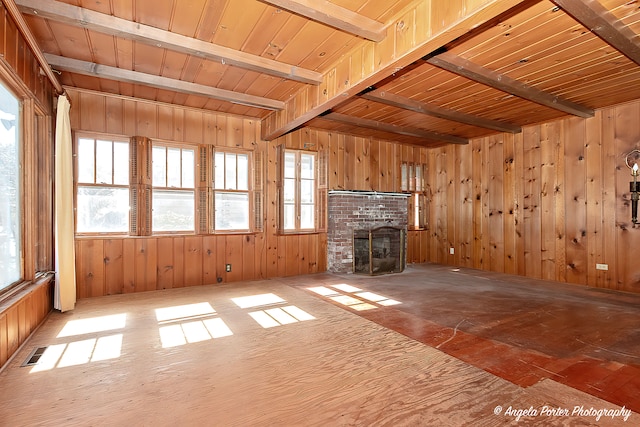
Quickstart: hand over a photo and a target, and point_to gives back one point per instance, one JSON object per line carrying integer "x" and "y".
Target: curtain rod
{"x": 17, "y": 17}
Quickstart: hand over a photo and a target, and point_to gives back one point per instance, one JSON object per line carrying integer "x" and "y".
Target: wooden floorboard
{"x": 197, "y": 356}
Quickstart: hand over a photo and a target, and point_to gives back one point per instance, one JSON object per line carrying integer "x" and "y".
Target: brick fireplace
{"x": 359, "y": 210}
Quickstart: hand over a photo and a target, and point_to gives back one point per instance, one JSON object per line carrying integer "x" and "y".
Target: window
{"x": 302, "y": 190}
{"x": 10, "y": 202}
{"x": 173, "y": 191}
{"x": 412, "y": 180}
{"x": 103, "y": 186}
{"x": 231, "y": 191}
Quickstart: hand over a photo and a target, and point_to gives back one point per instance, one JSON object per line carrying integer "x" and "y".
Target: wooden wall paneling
{"x": 113, "y": 115}
{"x": 13, "y": 341}
{"x": 113, "y": 266}
{"x": 548, "y": 134}
{"x": 322, "y": 252}
{"x": 271, "y": 224}
{"x": 23, "y": 327}
{"x": 593, "y": 200}
{"x": 90, "y": 266}
{"x": 166, "y": 122}
{"x": 220, "y": 259}
{"x": 129, "y": 268}
{"x": 610, "y": 166}
{"x": 495, "y": 217}
{"x": 349, "y": 163}
{"x": 233, "y": 255}
{"x": 166, "y": 267}
{"x": 11, "y": 36}
{"x": 432, "y": 188}
{"x": 627, "y": 134}
{"x": 303, "y": 253}
{"x": 338, "y": 140}
{"x": 248, "y": 258}
{"x": 209, "y": 255}
{"x": 575, "y": 194}
{"x": 510, "y": 205}
{"x": 193, "y": 126}
{"x": 129, "y": 118}
{"x": 192, "y": 260}
{"x": 374, "y": 165}
{"x": 452, "y": 206}
{"x": 292, "y": 255}
{"x": 362, "y": 157}
{"x": 477, "y": 149}
{"x": 442, "y": 226}
{"x": 233, "y": 134}
{"x": 146, "y": 120}
{"x": 93, "y": 112}
{"x": 531, "y": 207}
{"x": 312, "y": 254}
{"x": 4, "y": 342}
{"x": 146, "y": 260}
{"x": 464, "y": 159}
{"x": 210, "y": 129}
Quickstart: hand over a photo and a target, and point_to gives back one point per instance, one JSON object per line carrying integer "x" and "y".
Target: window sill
{"x": 20, "y": 291}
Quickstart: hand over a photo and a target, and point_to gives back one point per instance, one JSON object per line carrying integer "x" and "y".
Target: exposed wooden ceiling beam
{"x": 107, "y": 24}
{"x": 405, "y": 103}
{"x": 311, "y": 101}
{"x": 334, "y": 16}
{"x": 112, "y": 73}
{"x": 400, "y": 130}
{"x": 594, "y": 16}
{"x": 463, "y": 67}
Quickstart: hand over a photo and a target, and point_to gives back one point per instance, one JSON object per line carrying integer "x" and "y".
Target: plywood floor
{"x": 310, "y": 351}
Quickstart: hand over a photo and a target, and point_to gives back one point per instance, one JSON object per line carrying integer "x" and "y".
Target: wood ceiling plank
{"x": 156, "y": 14}
{"x": 155, "y": 37}
{"x": 468, "y": 69}
{"x": 593, "y": 16}
{"x": 389, "y": 128}
{"x": 433, "y": 110}
{"x": 186, "y": 18}
{"x": 325, "y": 97}
{"x": 237, "y": 23}
{"x": 334, "y": 16}
{"x": 92, "y": 69}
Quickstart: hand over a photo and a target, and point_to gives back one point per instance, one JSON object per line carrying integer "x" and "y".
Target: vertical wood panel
{"x": 192, "y": 260}
{"x": 113, "y": 266}
{"x": 549, "y": 134}
{"x": 593, "y": 170}
{"x": 209, "y": 253}
{"x": 531, "y": 207}
{"x": 166, "y": 268}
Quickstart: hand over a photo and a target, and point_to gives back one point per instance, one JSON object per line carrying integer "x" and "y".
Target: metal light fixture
{"x": 634, "y": 186}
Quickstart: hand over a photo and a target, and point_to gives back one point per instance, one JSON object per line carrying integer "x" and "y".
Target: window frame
{"x": 319, "y": 191}
{"x": 76, "y": 184}
{"x": 251, "y": 179}
{"x": 194, "y": 189}
{"x": 413, "y": 181}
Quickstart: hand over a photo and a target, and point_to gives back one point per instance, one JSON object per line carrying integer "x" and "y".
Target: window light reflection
{"x": 181, "y": 312}
{"x": 93, "y": 325}
{"x": 280, "y": 316}
{"x": 346, "y": 288}
{"x": 80, "y": 353}
{"x": 192, "y": 332}
{"x": 257, "y": 300}
{"x": 323, "y": 290}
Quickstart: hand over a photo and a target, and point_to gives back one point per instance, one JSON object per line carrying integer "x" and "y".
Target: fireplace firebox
{"x": 378, "y": 250}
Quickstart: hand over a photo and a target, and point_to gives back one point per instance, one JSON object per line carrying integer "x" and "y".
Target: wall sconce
{"x": 634, "y": 186}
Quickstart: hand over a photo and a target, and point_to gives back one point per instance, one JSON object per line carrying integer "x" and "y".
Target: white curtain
{"x": 65, "y": 289}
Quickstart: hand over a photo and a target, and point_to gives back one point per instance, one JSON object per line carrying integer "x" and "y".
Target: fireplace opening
{"x": 378, "y": 250}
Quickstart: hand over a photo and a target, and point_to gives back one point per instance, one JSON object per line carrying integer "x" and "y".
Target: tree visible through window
{"x": 10, "y": 202}
{"x": 173, "y": 188}
{"x": 103, "y": 186}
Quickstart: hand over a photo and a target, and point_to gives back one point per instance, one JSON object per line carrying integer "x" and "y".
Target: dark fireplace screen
{"x": 378, "y": 250}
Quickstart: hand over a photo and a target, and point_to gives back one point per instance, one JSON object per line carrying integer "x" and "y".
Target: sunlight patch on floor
{"x": 80, "y": 353}
{"x": 93, "y": 324}
{"x": 273, "y": 317}
{"x": 260, "y": 300}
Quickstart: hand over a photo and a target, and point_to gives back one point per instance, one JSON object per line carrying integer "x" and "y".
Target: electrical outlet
{"x": 452, "y": 251}
{"x": 602, "y": 266}
{"x": 228, "y": 268}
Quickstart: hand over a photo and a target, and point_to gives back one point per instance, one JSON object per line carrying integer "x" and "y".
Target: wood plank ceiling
{"x": 522, "y": 62}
